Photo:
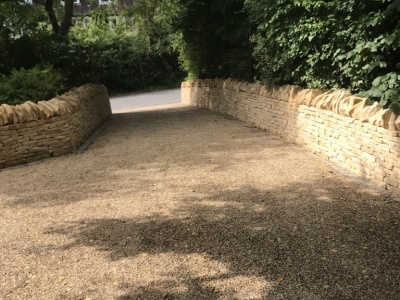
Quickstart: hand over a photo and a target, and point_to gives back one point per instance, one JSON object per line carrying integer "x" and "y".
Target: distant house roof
{"x": 84, "y": 7}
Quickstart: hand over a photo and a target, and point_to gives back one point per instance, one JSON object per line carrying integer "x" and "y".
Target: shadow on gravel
{"x": 303, "y": 241}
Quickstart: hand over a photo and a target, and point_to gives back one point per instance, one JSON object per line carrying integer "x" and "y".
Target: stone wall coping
{"x": 35, "y": 131}
{"x": 341, "y": 101}
{"x": 30, "y": 111}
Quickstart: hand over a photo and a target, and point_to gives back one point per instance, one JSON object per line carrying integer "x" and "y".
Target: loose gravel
{"x": 179, "y": 203}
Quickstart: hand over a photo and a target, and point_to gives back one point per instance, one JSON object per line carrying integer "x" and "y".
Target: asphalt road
{"x": 126, "y": 102}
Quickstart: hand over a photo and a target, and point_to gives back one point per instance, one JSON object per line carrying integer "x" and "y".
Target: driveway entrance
{"x": 179, "y": 203}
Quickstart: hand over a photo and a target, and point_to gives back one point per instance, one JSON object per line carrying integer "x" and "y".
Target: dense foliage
{"x": 35, "y": 84}
{"x": 214, "y": 39}
{"x": 120, "y": 58}
{"x": 352, "y": 44}
{"x": 103, "y": 47}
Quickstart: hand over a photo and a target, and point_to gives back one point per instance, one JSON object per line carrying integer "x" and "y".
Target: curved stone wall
{"x": 30, "y": 132}
{"x": 337, "y": 125}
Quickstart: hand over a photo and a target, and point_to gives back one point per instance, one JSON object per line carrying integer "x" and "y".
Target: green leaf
{"x": 395, "y": 107}
{"x": 377, "y": 81}
{"x": 383, "y": 102}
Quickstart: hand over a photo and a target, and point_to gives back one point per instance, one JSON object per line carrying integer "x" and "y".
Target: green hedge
{"x": 38, "y": 83}
{"x": 214, "y": 39}
{"x": 122, "y": 63}
{"x": 119, "y": 58}
{"x": 326, "y": 44}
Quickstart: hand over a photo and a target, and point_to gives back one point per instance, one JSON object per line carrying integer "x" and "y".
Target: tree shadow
{"x": 306, "y": 241}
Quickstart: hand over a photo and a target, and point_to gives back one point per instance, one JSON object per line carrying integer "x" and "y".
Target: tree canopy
{"x": 323, "y": 44}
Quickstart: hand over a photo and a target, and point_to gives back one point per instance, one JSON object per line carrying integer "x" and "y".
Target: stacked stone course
{"x": 30, "y": 132}
{"x": 337, "y": 126}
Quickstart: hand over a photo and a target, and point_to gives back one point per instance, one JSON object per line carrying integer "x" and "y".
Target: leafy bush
{"x": 119, "y": 58}
{"x": 116, "y": 56}
{"x": 386, "y": 89}
{"x": 34, "y": 85}
{"x": 325, "y": 44}
{"x": 214, "y": 39}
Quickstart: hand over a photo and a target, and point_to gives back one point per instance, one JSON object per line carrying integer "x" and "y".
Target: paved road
{"x": 125, "y": 102}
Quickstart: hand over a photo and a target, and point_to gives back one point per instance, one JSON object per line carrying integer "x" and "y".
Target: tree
{"x": 154, "y": 18}
{"x": 215, "y": 39}
{"x": 59, "y": 28}
{"x": 17, "y": 14}
{"x": 17, "y": 22}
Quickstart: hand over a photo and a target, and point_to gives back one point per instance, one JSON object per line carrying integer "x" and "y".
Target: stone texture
{"x": 9, "y": 113}
{"x": 30, "y": 131}
{"x": 337, "y": 126}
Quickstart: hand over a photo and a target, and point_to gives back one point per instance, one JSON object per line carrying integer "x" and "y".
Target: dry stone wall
{"x": 338, "y": 126}
{"x": 30, "y": 132}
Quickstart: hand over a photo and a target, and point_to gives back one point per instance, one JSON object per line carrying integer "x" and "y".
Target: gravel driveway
{"x": 180, "y": 203}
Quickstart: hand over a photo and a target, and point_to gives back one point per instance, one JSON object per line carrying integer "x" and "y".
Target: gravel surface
{"x": 180, "y": 203}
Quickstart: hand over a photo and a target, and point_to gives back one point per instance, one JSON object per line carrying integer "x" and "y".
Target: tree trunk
{"x": 67, "y": 21}
{"x": 49, "y": 6}
{"x": 63, "y": 29}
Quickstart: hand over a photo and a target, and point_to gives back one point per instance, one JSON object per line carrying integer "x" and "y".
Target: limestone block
{"x": 30, "y": 111}
{"x": 218, "y": 83}
{"x": 343, "y": 106}
{"x": 206, "y": 83}
{"x": 392, "y": 182}
{"x": 289, "y": 93}
{"x": 300, "y": 96}
{"x": 46, "y": 109}
{"x": 73, "y": 99}
{"x": 391, "y": 123}
{"x": 36, "y": 110}
{"x": 348, "y": 106}
{"x": 378, "y": 118}
{"x": 7, "y": 131}
{"x": 10, "y": 116}
{"x": 255, "y": 88}
{"x": 240, "y": 86}
{"x": 309, "y": 96}
{"x": 279, "y": 92}
{"x": 234, "y": 84}
{"x": 397, "y": 123}
{"x": 61, "y": 152}
{"x": 56, "y": 106}
{"x": 21, "y": 114}
{"x": 15, "y": 162}
{"x": 382, "y": 119}
{"x": 2, "y": 116}
{"x": 225, "y": 84}
{"x": 340, "y": 100}
{"x": 322, "y": 101}
{"x": 357, "y": 109}
{"x": 60, "y": 107}
{"x": 265, "y": 91}
{"x": 374, "y": 109}
{"x": 294, "y": 91}
{"x": 37, "y": 157}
